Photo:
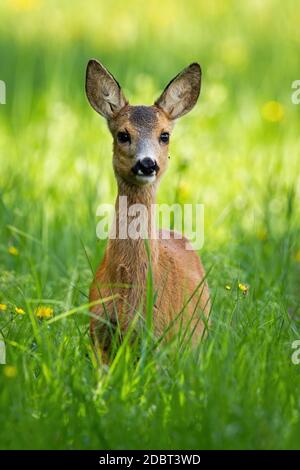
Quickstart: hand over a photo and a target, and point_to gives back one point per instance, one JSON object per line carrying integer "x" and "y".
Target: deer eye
{"x": 124, "y": 137}
{"x": 164, "y": 137}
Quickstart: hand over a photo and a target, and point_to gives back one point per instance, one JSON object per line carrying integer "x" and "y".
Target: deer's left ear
{"x": 181, "y": 94}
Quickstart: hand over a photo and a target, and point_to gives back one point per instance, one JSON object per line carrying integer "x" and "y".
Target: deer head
{"x": 141, "y": 134}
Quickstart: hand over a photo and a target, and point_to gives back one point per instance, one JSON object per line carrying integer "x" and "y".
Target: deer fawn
{"x": 140, "y": 156}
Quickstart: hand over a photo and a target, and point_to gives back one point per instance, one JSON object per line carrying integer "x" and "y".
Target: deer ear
{"x": 103, "y": 91}
{"x": 181, "y": 94}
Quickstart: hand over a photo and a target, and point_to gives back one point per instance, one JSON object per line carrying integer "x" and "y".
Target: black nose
{"x": 146, "y": 166}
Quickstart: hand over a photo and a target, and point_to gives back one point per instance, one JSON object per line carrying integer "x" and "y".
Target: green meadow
{"x": 237, "y": 152}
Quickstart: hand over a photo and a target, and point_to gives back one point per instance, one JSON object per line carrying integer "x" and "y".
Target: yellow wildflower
{"x": 24, "y": 5}
{"x": 243, "y": 288}
{"x": 12, "y": 250}
{"x": 297, "y": 256}
{"x": 3, "y": 307}
{"x": 19, "y": 311}
{"x": 183, "y": 190}
{"x": 272, "y": 111}
{"x": 228, "y": 287}
{"x": 10, "y": 371}
{"x": 44, "y": 312}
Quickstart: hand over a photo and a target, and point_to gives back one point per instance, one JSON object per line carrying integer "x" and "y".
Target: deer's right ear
{"x": 103, "y": 91}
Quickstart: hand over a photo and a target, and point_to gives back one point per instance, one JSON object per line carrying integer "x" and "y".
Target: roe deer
{"x": 140, "y": 156}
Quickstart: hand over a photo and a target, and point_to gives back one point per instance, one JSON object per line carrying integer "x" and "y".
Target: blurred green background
{"x": 237, "y": 152}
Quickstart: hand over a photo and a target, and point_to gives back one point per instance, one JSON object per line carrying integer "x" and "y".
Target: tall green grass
{"x": 236, "y": 153}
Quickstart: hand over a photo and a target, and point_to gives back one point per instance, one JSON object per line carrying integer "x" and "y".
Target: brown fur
{"x": 177, "y": 272}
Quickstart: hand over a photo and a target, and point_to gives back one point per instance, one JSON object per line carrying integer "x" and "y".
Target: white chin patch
{"x": 144, "y": 179}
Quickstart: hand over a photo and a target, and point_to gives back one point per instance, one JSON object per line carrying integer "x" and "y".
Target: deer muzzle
{"x": 145, "y": 167}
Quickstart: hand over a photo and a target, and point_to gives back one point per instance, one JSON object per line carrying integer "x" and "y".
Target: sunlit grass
{"x": 237, "y": 152}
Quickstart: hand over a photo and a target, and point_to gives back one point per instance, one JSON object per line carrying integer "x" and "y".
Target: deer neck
{"x": 133, "y": 229}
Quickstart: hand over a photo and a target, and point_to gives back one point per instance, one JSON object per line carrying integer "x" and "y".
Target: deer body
{"x": 140, "y": 156}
